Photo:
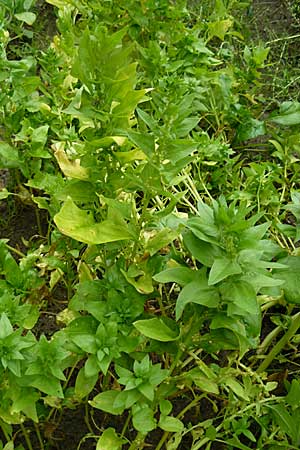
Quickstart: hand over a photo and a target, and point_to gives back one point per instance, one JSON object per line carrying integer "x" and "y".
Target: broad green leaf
{"x": 80, "y": 225}
{"x": 179, "y": 275}
{"x": 171, "y": 424}
{"x": 27, "y": 17}
{"x": 250, "y": 129}
{"x": 289, "y": 114}
{"x": 165, "y": 407}
{"x": 9, "y": 156}
{"x": 197, "y": 292}
{"x": 26, "y": 402}
{"x": 106, "y": 402}
{"x": 221, "y": 269}
{"x": 156, "y": 329}
{"x": 143, "y": 141}
{"x": 160, "y": 240}
{"x": 203, "y": 251}
{"x": 109, "y": 440}
{"x": 293, "y": 397}
{"x": 291, "y": 278}
{"x": 48, "y": 385}
{"x": 185, "y": 126}
{"x": 242, "y": 294}
{"x": 84, "y": 385}
{"x": 143, "y": 419}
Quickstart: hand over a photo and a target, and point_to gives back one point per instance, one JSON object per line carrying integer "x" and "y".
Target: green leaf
{"x": 4, "y": 194}
{"x": 185, "y": 126}
{"x": 160, "y": 240}
{"x": 84, "y": 384}
{"x": 250, "y": 129}
{"x": 219, "y": 28}
{"x": 221, "y": 269}
{"x": 290, "y": 276}
{"x": 286, "y": 422}
{"x": 293, "y": 397}
{"x": 203, "y": 251}
{"x": 197, "y": 292}
{"x": 171, "y": 424}
{"x": 80, "y": 225}
{"x": 48, "y": 385}
{"x": 5, "y": 326}
{"x": 143, "y": 419}
{"x": 179, "y": 275}
{"x": 165, "y": 407}
{"x": 242, "y": 294}
{"x": 106, "y": 402}
{"x": 205, "y": 383}
{"x": 109, "y": 440}
{"x": 143, "y": 141}
{"x": 237, "y": 388}
{"x": 9, "y": 156}
{"x": 156, "y": 329}
{"x": 27, "y": 17}
{"x": 289, "y": 114}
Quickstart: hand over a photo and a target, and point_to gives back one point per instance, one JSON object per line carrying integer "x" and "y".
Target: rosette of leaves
{"x": 232, "y": 264}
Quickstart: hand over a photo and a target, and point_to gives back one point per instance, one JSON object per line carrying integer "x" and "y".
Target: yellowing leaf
{"x": 80, "y": 225}
{"x": 219, "y": 28}
{"x": 71, "y": 169}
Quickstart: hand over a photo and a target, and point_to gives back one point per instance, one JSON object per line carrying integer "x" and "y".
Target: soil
{"x": 271, "y": 20}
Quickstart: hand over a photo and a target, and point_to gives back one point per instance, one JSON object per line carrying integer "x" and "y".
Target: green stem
{"x": 268, "y": 339}
{"x": 37, "y": 430}
{"x": 125, "y": 425}
{"x": 3, "y": 426}
{"x": 162, "y": 440}
{"x": 86, "y": 418}
{"x": 295, "y": 324}
{"x": 17, "y": 252}
{"x": 26, "y": 436}
{"x": 139, "y": 442}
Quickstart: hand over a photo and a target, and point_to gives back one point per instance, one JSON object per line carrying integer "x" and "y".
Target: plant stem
{"x": 86, "y": 418}
{"x": 295, "y": 324}
{"x": 26, "y": 436}
{"x": 139, "y": 442}
{"x": 125, "y": 425}
{"x": 162, "y": 440}
{"x": 268, "y": 339}
{"x": 17, "y": 252}
{"x": 37, "y": 430}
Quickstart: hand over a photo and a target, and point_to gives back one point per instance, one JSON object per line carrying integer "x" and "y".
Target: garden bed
{"x": 149, "y": 254}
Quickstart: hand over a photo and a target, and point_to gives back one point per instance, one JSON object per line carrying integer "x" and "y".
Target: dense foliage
{"x": 171, "y": 186}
